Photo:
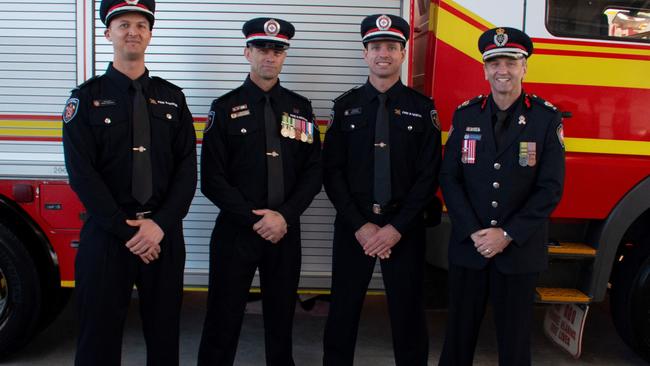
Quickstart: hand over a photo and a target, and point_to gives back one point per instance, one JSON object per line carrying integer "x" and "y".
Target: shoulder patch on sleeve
{"x": 543, "y": 102}
{"x": 340, "y": 97}
{"x": 560, "y": 134}
{"x": 70, "y": 110}
{"x": 434, "y": 119}
{"x": 331, "y": 119}
{"x": 168, "y": 83}
{"x": 209, "y": 122}
{"x": 471, "y": 101}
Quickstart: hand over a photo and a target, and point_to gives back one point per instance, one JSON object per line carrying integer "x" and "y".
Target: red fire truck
{"x": 591, "y": 59}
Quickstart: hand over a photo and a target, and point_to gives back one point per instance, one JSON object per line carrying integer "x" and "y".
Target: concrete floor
{"x": 55, "y": 346}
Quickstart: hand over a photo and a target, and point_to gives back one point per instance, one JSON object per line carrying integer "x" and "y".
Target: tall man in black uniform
{"x": 501, "y": 178}
{"x": 130, "y": 151}
{"x": 381, "y": 159}
{"x": 261, "y": 166}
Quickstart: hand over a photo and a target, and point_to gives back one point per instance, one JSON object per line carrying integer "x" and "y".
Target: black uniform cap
{"x": 384, "y": 27}
{"x": 268, "y": 33}
{"x": 504, "y": 41}
{"x": 109, "y": 9}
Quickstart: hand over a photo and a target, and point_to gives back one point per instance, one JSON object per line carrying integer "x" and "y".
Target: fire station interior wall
{"x": 198, "y": 45}
{"x": 38, "y": 58}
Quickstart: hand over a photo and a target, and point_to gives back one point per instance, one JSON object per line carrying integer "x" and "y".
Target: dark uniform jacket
{"x": 515, "y": 188}
{"x": 98, "y": 151}
{"x": 233, "y": 157}
{"x": 348, "y": 155}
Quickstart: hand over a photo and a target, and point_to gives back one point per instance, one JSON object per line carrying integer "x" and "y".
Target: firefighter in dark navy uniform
{"x": 260, "y": 164}
{"x": 381, "y": 158}
{"x": 502, "y": 176}
{"x": 130, "y": 151}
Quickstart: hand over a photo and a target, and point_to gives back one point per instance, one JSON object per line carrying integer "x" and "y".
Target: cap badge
{"x": 272, "y": 27}
{"x": 383, "y": 22}
{"x": 131, "y": 2}
{"x": 500, "y": 38}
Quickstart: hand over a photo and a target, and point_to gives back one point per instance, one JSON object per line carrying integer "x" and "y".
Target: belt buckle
{"x": 142, "y": 215}
{"x": 376, "y": 209}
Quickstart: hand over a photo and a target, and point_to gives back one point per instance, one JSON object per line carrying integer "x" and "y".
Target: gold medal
{"x": 303, "y": 137}
{"x": 291, "y": 127}
{"x": 310, "y": 139}
{"x": 284, "y": 131}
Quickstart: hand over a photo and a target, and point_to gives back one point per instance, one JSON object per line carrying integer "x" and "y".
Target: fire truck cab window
{"x": 600, "y": 19}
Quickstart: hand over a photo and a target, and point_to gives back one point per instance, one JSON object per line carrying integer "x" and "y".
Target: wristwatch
{"x": 507, "y": 236}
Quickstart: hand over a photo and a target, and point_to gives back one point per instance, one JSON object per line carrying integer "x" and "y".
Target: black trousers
{"x": 403, "y": 275}
{"x": 235, "y": 254}
{"x": 512, "y": 298}
{"x": 105, "y": 273}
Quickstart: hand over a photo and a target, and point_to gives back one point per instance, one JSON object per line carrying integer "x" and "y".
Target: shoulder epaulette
{"x": 543, "y": 102}
{"x": 420, "y": 94}
{"x": 346, "y": 93}
{"x": 168, "y": 83}
{"x": 471, "y": 101}
{"x": 299, "y": 96}
{"x": 87, "y": 82}
{"x": 229, "y": 93}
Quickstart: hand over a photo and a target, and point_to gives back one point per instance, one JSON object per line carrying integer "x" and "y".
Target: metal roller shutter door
{"x": 38, "y": 67}
{"x": 198, "y": 45}
{"x": 38, "y": 59}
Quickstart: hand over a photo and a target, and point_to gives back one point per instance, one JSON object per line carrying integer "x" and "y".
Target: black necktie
{"x": 141, "y": 181}
{"x": 500, "y": 128}
{"x": 382, "y": 154}
{"x": 274, "y": 176}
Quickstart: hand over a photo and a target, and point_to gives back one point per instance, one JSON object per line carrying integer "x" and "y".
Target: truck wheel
{"x": 19, "y": 293}
{"x": 630, "y": 298}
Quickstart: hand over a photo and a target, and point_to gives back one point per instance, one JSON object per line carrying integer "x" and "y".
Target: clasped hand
{"x": 377, "y": 241}
{"x": 146, "y": 242}
{"x": 272, "y": 226}
{"x": 489, "y": 242}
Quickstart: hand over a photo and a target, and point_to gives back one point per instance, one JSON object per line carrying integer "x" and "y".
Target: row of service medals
{"x": 297, "y": 128}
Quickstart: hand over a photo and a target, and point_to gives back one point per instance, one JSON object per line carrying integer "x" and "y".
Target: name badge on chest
{"x": 239, "y": 111}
